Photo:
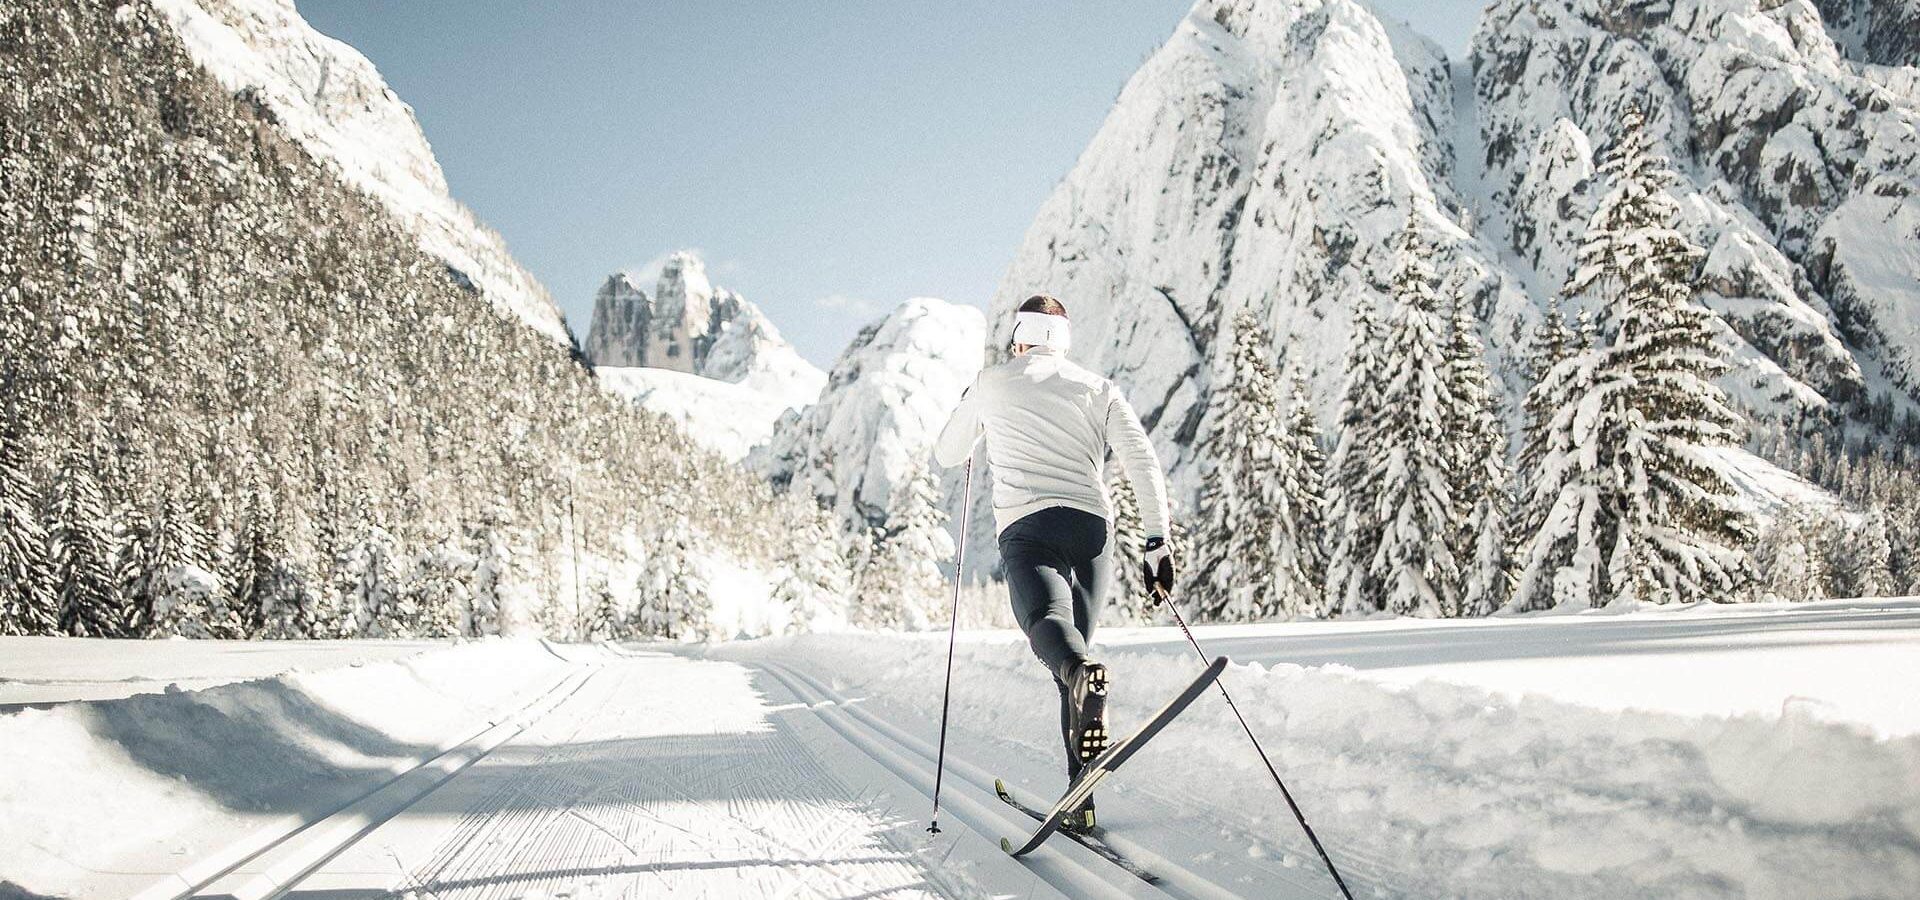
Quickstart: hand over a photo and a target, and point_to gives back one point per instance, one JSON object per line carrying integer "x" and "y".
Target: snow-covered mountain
{"x": 705, "y": 357}
{"x": 1264, "y": 156}
{"x": 885, "y": 400}
{"x": 1799, "y": 154}
{"x": 329, "y": 98}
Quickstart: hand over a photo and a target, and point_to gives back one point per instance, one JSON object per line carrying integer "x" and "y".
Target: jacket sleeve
{"x": 956, "y": 440}
{"x": 1135, "y": 452}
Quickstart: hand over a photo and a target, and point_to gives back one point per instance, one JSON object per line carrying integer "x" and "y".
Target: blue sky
{"x": 828, "y": 159}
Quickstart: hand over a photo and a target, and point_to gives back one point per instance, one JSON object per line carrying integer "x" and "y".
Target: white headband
{"x": 1041, "y": 330}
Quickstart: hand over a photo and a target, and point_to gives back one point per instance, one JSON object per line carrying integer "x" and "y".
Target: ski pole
{"x": 953, "y": 630}
{"x": 1297, "y": 814}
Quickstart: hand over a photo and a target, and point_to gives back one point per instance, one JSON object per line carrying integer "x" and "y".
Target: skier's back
{"x": 1048, "y": 424}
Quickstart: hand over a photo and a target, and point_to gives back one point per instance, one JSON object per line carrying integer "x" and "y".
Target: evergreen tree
{"x": 1859, "y": 557}
{"x": 1353, "y": 521}
{"x": 28, "y": 603}
{"x": 604, "y": 621}
{"x": 1478, "y": 467}
{"x": 813, "y": 584}
{"x": 82, "y": 553}
{"x": 1128, "y": 603}
{"x": 1414, "y": 563}
{"x": 1303, "y": 478}
{"x": 903, "y": 585}
{"x": 1252, "y": 565}
{"x": 674, "y": 601}
{"x": 1789, "y": 561}
{"x": 372, "y": 586}
{"x": 1632, "y": 512}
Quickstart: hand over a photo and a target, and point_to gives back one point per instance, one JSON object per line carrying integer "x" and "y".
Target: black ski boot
{"x": 1087, "y": 693}
{"x": 1080, "y": 821}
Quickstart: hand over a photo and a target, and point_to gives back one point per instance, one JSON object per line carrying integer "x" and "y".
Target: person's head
{"x": 1045, "y": 332}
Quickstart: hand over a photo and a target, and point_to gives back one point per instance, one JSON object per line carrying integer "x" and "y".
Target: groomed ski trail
{"x": 662, "y": 775}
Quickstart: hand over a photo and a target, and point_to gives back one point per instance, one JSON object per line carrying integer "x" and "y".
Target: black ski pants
{"x": 1059, "y": 565}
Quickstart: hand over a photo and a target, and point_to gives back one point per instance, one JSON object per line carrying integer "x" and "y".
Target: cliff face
{"x": 688, "y": 325}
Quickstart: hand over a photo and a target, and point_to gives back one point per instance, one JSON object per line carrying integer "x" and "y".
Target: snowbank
{"x": 1440, "y": 789}
{"x": 100, "y": 799}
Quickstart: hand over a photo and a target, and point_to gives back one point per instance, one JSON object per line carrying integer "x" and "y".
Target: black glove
{"x": 1159, "y": 568}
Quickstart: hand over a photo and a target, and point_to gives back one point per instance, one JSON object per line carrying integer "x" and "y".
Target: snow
{"x": 1751, "y": 751}
{"x": 1717, "y": 751}
{"x": 152, "y": 782}
{"x": 40, "y": 670}
{"x": 729, "y": 419}
{"x": 886, "y": 398}
{"x": 331, "y": 100}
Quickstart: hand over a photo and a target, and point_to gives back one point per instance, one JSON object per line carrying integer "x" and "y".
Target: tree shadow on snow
{"x": 257, "y": 746}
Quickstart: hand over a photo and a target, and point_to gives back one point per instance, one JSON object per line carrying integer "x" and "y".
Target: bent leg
{"x": 1043, "y": 604}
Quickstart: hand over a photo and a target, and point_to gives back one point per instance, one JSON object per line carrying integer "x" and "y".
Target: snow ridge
{"x": 885, "y": 400}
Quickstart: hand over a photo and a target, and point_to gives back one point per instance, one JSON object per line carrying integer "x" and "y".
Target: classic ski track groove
{"x": 278, "y": 836}
{"x": 1174, "y": 879}
{"x": 1065, "y": 870}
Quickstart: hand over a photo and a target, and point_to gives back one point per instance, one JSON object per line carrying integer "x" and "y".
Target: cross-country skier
{"x": 1048, "y": 425}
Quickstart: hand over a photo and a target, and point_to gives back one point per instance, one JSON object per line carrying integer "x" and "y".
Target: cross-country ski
{"x": 1088, "y": 839}
{"x": 503, "y": 450}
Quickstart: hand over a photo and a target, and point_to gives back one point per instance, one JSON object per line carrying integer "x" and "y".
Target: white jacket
{"x": 1048, "y": 424}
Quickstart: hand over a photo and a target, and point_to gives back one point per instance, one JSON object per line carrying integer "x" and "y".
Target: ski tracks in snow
{"x": 664, "y": 776}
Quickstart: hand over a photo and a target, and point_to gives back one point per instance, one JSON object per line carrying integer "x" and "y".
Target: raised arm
{"x": 1135, "y": 451}
{"x": 956, "y": 440}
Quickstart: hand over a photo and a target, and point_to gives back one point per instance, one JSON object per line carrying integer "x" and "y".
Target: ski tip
{"x": 1006, "y": 845}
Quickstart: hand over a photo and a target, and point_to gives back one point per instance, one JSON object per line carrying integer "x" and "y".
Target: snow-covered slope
{"x": 729, "y": 419}
{"x": 1265, "y": 155}
{"x": 884, "y": 403}
{"x": 329, "y": 98}
{"x": 1797, "y": 160}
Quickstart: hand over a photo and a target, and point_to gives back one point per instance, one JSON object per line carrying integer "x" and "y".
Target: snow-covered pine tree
{"x": 903, "y": 586}
{"x": 438, "y": 587}
{"x": 1128, "y": 604}
{"x": 372, "y": 585}
{"x": 82, "y": 551}
{"x": 1306, "y": 480}
{"x": 28, "y": 602}
{"x": 1414, "y": 562}
{"x": 1788, "y": 558}
{"x": 1859, "y": 557}
{"x": 1480, "y": 478}
{"x": 674, "y": 603}
{"x": 1633, "y": 513}
{"x": 813, "y": 585}
{"x": 1353, "y": 522}
{"x": 174, "y": 542}
{"x": 604, "y": 621}
{"x": 1249, "y": 570}
{"x": 269, "y": 598}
